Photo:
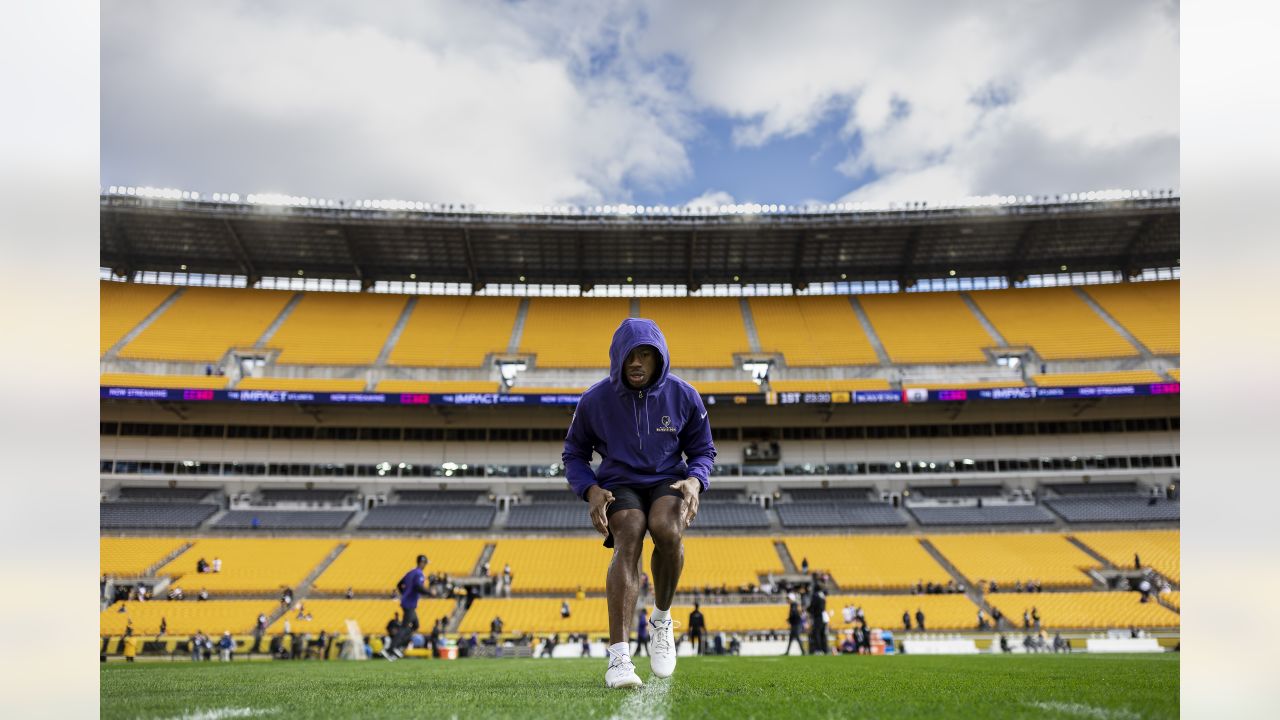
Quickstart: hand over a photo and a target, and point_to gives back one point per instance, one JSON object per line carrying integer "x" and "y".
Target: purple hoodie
{"x": 643, "y": 436}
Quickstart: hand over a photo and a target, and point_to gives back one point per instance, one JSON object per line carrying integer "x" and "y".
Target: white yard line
{"x": 648, "y": 703}
{"x": 225, "y": 713}
{"x": 1085, "y": 711}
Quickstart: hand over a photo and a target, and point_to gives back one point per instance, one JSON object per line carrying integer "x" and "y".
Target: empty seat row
{"x": 982, "y": 515}
{"x": 1115, "y": 509}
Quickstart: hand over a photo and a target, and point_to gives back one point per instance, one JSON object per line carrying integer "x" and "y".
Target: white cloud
{"x": 710, "y": 198}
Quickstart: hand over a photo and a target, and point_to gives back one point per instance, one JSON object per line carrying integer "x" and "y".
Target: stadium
{"x": 966, "y": 415}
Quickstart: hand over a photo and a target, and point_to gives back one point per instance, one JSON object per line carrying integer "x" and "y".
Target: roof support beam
{"x": 1145, "y": 229}
{"x": 579, "y": 248}
{"x": 907, "y": 279}
{"x": 690, "y": 281}
{"x": 242, "y": 255}
{"x": 472, "y": 276}
{"x": 1014, "y": 272}
{"x": 798, "y": 281}
{"x": 352, "y": 252}
{"x": 126, "y": 248}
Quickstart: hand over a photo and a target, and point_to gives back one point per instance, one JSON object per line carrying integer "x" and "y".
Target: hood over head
{"x": 631, "y": 334}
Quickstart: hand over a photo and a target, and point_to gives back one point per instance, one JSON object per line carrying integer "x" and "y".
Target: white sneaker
{"x": 662, "y": 648}
{"x": 621, "y": 672}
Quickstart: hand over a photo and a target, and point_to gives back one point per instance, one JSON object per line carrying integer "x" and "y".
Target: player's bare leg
{"x": 666, "y": 528}
{"x": 622, "y": 587}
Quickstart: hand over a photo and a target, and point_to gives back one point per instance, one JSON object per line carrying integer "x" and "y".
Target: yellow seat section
{"x": 1085, "y": 610}
{"x": 302, "y": 384}
{"x": 204, "y": 323}
{"x": 1173, "y": 598}
{"x": 927, "y": 327}
{"x": 122, "y": 306}
{"x": 540, "y": 616}
{"x": 812, "y": 331}
{"x": 564, "y": 564}
{"x": 375, "y": 565}
{"x": 572, "y": 332}
{"x": 1157, "y": 549}
{"x": 200, "y": 382}
{"x": 1119, "y": 377}
{"x": 455, "y": 331}
{"x": 941, "y": 612}
{"x": 883, "y": 562}
{"x": 1176, "y": 374}
{"x": 847, "y": 385}
{"x": 700, "y": 332}
{"x": 184, "y": 617}
{"x": 337, "y": 328}
{"x": 1149, "y": 310}
{"x": 713, "y": 387}
{"x": 123, "y": 557}
{"x": 543, "y": 390}
{"x": 437, "y": 386}
{"x": 248, "y": 565}
{"x": 1054, "y": 321}
{"x": 371, "y": 615}
{"x": 552, "y": 564}
{"x": 1048, "y": 558}
{"x": 943, "y": 385}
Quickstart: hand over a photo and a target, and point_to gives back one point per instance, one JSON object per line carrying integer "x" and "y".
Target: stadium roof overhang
{"x": 586, "y": 250}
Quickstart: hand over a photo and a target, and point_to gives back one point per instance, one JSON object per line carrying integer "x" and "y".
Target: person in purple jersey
{"x": 651, "y": 431}
{"x": 412, "y": 586}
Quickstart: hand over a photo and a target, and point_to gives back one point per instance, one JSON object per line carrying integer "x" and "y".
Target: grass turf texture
{"x": 1099, "y": 687}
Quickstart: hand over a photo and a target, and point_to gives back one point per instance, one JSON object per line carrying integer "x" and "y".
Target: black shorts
{"x": 631, "y": 497}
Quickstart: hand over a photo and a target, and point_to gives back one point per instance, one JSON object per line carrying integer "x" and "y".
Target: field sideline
{"x": 1097, "y": 687}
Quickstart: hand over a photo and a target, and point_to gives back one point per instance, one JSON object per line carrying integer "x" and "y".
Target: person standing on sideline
{"x": 412, "y": 586}
{"x": 642, "y": 634}
{"x": 920, "y": 619}
{"x": 697, "y": 630}
{"x": 795, "y": 622}
{"x": 650, "y": 429}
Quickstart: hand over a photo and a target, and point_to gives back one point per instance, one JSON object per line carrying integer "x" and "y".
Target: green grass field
{"x": 1097, "y": 687}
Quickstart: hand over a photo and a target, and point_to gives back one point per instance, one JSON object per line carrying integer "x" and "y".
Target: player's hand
{"x": 689, "y": 488}
{"x": 599, "y": 499}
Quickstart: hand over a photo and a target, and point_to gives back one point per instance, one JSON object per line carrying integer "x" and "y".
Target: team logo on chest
{"x": 666, "y": 425}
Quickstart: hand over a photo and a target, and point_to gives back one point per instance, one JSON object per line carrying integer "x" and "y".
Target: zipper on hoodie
{"x": 635, "y": 412}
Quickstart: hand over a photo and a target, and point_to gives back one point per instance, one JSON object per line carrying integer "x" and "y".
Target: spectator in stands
{"x": 1026, "y": 619}
{"x": 995, "y": 587}
{"x": 164, "y": 627}
{"x": 982, "y": 620}
{"x": 586, "y": 646}
{"x": 225, "y": 646}
{"x": 642, "y": 633}
{"x": 203, "y": 595}
{"x": 217, "y": 564}
{"x": 195, "y": 644}
{"x": 906, "y": 620}
{"x": 1144, "y": 587}
{"x": 804, "y": 565}
{"x": 640, "y": 400}
{"x": 920, "y": 619}
{"x": 1137, "y": 562}
{"x": 1035, "y": 618}
{"x": 697, "y": 630}
{"x": 351, "y": 593}
{"x": 202, "y": 566}
{"x": 795, "y": 623}
{"x": 1004, "y": 644}
{"x": 411, "y": 587}
{"x": 286, "y": 597}
{"x": 997, "y": 617}
{"x": 259, "y": 629}
{"x": 847, "y": 613}
{"x": 564, "y": 609}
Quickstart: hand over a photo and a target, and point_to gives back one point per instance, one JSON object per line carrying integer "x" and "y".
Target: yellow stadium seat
{"x": 302, "y": 384}
{"x": 201, "y": 382}
{"x": 572, "y": 332}
{"x": 883, "y": 562}
{"x": 726, "y": 387}
{"x": 248, "y": 565}
{"x": 927, "y": 328}
{"x": 204, "y": 323}
{"x": 536, "y": 615}
{"x": 437, "y": 386}
{"x": 124, "y": 557}
{"x": 331, "y": 616}
{"x": 700, "y": 332}
{"x": 941, "y": 612}
{"x": 1156, "y": 549}
{"x": 1176, "y": 374}
{"x": 1148, "y": 310}
{"x": 1119, "y": 377}
{"x": 1054, "y": 321}
{"x": 1006, "y": 558}
{"x": 123, "y": 306}
{"x": 847, "y": 385}
{"x": 184, "y": 617}
{"x": 337, "y": 328}
{"x": 812, "y": 331}
{"x": 447, "y": 331}
{"x": 371, "y": 566}
{"x": 944, "y": 385}
{"x": 1084, "y": 610}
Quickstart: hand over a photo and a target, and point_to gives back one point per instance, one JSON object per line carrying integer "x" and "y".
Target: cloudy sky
{"x": 513, "y": 104}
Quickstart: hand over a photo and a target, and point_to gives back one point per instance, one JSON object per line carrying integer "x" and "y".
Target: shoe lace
{"x": 618, "y": 660}
{"x": 661, "y": 639}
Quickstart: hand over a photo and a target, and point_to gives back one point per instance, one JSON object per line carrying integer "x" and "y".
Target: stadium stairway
{"x": 285, "y": 312}
{"x": 749, "y": 322}
{"x": 392, "y": 338}
{"x": 485, "y": 555}
{"x": 1105, "y": 563}
{"x": 517, "y": 328}
{"x": 1115, "y": 325}
{"x": 114, "y": 350}
{"x": 784, "y": 554}
{"x": 983, "y": 320}
{"x": 971, "y": 590}
{"x": 870, "y": 330}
